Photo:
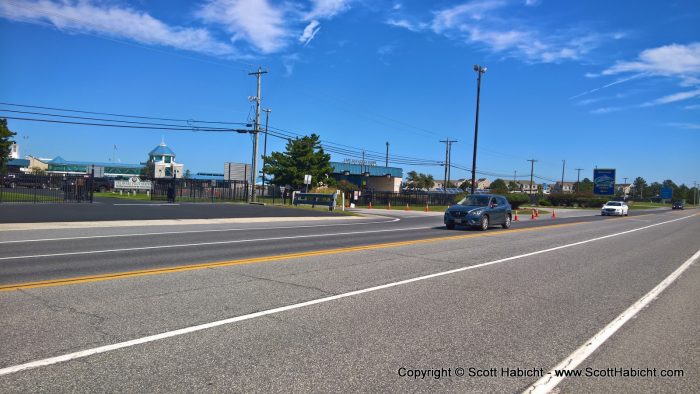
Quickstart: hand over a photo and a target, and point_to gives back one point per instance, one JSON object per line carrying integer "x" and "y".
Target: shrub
{"x": 545, "y": 203}
{"x": 517, "y": 199}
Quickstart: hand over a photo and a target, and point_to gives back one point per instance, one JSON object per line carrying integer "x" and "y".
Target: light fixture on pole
{"x": 480, "y": 71}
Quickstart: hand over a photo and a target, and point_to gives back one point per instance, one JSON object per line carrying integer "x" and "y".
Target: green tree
{"x": 427, "y": 181}
{"x": 412, "y": 180}
{"x": 585, "y": 186}
{"x": 499, "y": 186}
{"x": 302, "y": 156}
{"x": 5, "y": 144}
{"x": 639, "y": 186}
{"x": 513, "y": 186}
{"x": 187, "y": 175}
{"x": 654, "y": 190}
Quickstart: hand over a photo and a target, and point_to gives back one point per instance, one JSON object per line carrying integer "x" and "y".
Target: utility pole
{"x": 515, "y": 175}
{"x": 578, "y": 178}
{"x": 386, "y": 162}
{"x": 449, "y": 163}
{"x": 532, "y": 172}
{"x": 480, "y": 70}
{"x": 561, "y": 187}
{"x": 254, "y": 172}
{"x": 267, "y": 121}
{"x": 448, "y": 148}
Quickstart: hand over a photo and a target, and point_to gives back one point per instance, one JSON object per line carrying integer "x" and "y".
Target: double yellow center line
{"x": 253, "y": 260}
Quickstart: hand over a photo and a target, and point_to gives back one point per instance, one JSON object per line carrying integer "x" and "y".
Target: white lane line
{"x": 548, "y": 382}
{"x": 211, "y": 243}
{"x": 195, "y": 231}
{"x": 187, "y": 330}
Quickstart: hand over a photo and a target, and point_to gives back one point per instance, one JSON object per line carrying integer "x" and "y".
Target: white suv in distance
{"x": 618, "y": 208}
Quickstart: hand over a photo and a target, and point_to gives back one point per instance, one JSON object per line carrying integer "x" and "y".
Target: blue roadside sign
{"x": 604, "y": 181}
{"x": 666, "y": 193}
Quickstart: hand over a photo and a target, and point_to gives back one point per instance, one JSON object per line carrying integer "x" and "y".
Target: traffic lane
{"x": 483, "y": 318}
{"x": 123, "y": 255}
{"x": 50, "y": 241}
{"x": 69, "y": 212}
{"x": 178, "y": 226}
{"x": 48, "y": 321}
{"x": 662, "y": 337}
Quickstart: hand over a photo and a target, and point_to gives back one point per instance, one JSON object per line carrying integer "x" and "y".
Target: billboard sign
{"x": 666, "y": 193}
{"x": 604, "y": 181}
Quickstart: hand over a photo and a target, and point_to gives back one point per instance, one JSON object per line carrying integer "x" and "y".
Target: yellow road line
{"x": 253, "y": 260}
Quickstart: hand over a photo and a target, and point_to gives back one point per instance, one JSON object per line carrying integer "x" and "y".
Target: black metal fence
{"x": 196, "y": 190}
{"x": 52, "y": 188}
{"x": 412, "y": 199}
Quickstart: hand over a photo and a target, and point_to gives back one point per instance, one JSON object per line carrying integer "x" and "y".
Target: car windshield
{"x": 475, "y": 201}
{"x": 613, "y": 203}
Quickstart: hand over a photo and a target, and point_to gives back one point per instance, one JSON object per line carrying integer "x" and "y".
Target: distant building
{"x": 14, "y": 151}
{"x": 368, "y": 176}
{"x": 524, "y": 187}
{"x": 623, "y": 188}
{"x": 161, "y": 161}
{"x": 566, "y": 187}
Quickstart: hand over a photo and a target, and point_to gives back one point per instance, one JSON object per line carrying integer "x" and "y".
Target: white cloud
{"x": 606, "y": 110}
{"x": 480, "y": 22}
{"x": 309, "y": 32}
{"x": 532, "y": 3}
{"x": 694, "y": 106}
{"x": 668, "y": 60}
{"x": 114, "y": 21}
{"x": 672, "y": 98}
{"x": 687, "y": 126}
{"x": 326, "y": 9}
{"x": 616, "y": 82}
{"x": 254, "y": 21}
{"x": 454, "y": 17}
{"x": 406, "y": 24}
{"x": 397, "y": 6}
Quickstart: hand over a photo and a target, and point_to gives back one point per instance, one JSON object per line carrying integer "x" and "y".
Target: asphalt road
{"x": 547, "y": 287}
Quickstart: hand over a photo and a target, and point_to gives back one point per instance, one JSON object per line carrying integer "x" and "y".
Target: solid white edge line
{"x": 548, "y": 382}
{"x": 192, "y": 231}
{"x": 187, "y": 330}
{"x": 236, "y": 241}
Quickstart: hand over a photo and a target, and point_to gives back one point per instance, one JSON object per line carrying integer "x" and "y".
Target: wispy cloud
{"x": 309, "y": 32}
{"x": 606, "y": 110}
{"x": 115, "y": 21}
{"x": 695, "y": 106}
{"x": 687, "y": 126}
{"x": 254, "y": 21}
{"x": 672, "y": 98}
{"x": 325, "y": 9}
{"x": 669, "y": 60}
{"x": 482, "y": 23}
{"x": 616, "y": 82}
{"x": 532, "y": 3}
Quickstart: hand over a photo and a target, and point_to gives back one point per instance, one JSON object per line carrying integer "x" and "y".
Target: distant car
{"x": 678, "y": 205}
{"x": 20, "y": 180}
{"x": 617, "y": 208}
{"x": 480, "y": 211}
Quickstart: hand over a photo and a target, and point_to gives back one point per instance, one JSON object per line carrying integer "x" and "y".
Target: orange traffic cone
{"x": 407, "y": 208}
{"x": 427, "y": 209}
{"x": 389, "y": 208}
{"x": 515, "y": 219}
{"x": 533, "y": 215}
{"x": 554, "y": 215}
{"x": 370, "y": 205}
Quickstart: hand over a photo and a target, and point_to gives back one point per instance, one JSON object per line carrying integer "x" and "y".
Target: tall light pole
{"x": 267, "y": 121}
{"x": 561, "y": 187}
{"x": 480, "y": 71}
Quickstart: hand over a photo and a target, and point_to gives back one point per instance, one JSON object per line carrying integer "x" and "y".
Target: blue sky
{"x": 606, "y": 84}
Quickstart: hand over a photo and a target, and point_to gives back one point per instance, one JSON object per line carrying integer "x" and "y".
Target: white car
{"x": 618, "y": 208}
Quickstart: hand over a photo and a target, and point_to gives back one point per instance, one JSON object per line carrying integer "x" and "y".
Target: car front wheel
{"x": 484, "y": 223}
{"x": 507, "y": 223}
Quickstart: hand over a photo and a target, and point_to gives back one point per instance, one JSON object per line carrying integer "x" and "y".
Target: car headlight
{"x": 476, "y": 212}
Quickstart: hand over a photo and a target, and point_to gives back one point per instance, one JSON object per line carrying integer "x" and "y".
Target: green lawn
{"x": 140, "y": 197}
{"x": 6, "y": 196}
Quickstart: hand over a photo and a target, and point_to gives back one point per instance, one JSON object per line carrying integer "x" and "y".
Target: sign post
{"x": 307, "y": 181}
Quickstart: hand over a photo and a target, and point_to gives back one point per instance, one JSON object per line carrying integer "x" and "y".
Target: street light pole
{"x": 480, "y": 71}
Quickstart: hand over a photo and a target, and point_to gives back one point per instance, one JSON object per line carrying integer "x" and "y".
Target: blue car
{"x": 480, "y": 211}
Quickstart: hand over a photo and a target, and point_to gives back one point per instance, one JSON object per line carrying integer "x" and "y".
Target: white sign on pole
{"x": 307, "y": 179}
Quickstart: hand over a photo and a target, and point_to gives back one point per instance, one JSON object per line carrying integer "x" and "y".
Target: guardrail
{"x": 314, "y": 199}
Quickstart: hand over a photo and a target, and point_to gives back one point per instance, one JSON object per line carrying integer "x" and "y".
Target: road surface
{"x": 369, "y": 304}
